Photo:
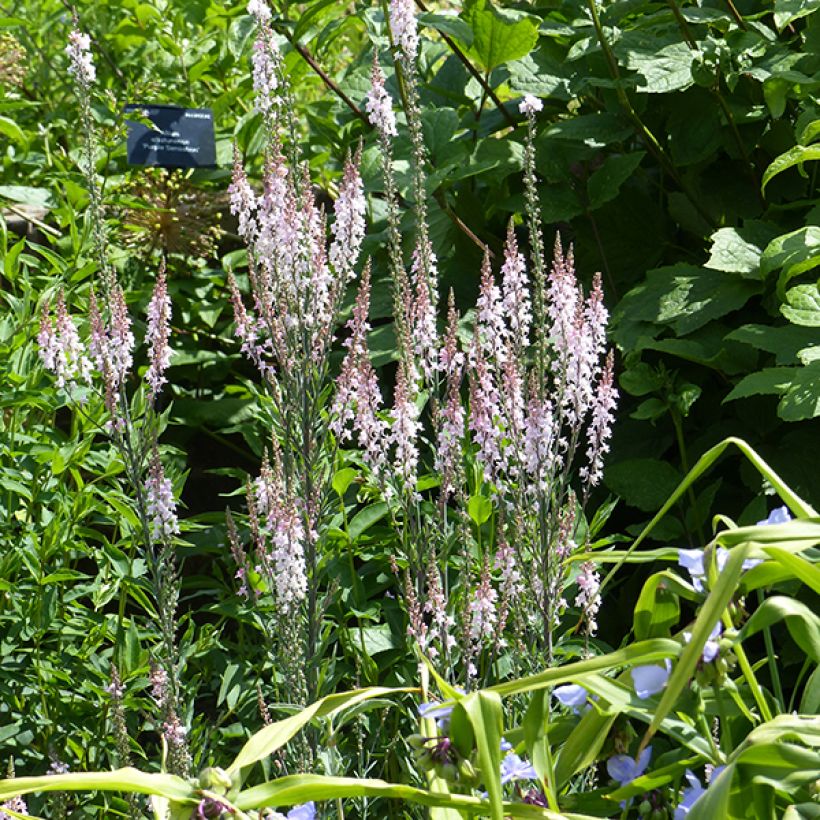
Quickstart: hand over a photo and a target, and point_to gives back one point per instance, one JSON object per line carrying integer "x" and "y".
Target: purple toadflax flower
{"x": 649, "y": 680}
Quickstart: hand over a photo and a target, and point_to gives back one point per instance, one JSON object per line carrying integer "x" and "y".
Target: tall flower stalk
{"x": 297, "y": 280}
{"x": 103, "y": 367}
{"x": 539, "y": 383}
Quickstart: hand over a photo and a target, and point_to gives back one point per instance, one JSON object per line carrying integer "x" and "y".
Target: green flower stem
{"x": 725, "y": 729}
{"x": 748, "y": 673}
{"x": 774, "y": 671}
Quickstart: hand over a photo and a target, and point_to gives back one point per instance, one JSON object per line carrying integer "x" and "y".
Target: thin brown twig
{"x": 324, "y": 76}
{"x": 475, "y": 72}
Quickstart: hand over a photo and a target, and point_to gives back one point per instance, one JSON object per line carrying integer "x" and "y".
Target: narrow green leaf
{"x": 483, "y": 708}
{"x": 273, "y": 737}
{"x": 808, "y": 573}
{"x": 121, "y": 780}
{"x": 722, "y": 590}
{"x": 639, "y": 653}
{"x": 803, "y": 624}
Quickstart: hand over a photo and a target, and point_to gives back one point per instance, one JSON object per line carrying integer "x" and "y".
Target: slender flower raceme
{"x": 266, "y": 69}
{"x": 404, "y": 27}
{"x": 379, "y": 105}
{"x": 260, "y": 10}
{"x": 161, "y": 507}
{"x": 60, "y": 348}
{"x": 530, "y": 105}
{"x": 157, "y": 335}
{"x": 588, "y": 598}
{"x": 349, "y": 227}
{"x": 81, "y": 62}
{"x": 600, "y": 427}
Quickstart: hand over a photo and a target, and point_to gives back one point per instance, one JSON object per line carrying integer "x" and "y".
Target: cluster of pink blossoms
{"x": 297, "y": 283}
{"x": 379, "y": 105}
{"x": 404, "y": 27}
{"x": 279, "y": 534}
{"x": 81, "y": 63}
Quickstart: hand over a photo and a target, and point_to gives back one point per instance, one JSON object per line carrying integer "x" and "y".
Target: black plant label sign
{"x": 175, "y": 138}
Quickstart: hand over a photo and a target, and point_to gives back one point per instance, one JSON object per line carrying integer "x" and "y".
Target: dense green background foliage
{"x": 677, "y": 150}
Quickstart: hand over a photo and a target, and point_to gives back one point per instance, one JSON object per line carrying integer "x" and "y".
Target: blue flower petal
{"x": 779, "y": 515}
{"x": 649, "y": 680}
{"x": 572, "y": 695}
{"x": 307, "y": 811}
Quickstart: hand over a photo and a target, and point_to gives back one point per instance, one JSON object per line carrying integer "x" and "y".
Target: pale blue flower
{"x": 649, "y": 680}
{"x": 693, "y": 793}
{"x": 307, "y": 811}
{"x": 711, "y": 647}
{"x": 692, "y": 560}
{"x": 506, "y": 746}
{"x": 514, "y": 768}
{"x": 624, "y": 769}
{"x": 689, "y": 797}
{"x": 571, "y": 695}
{"x": 434, "y": 710}
{"x": 779, "y": 515}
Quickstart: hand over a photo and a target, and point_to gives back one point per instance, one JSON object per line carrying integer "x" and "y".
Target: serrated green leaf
{"x": 605, "y": 183}
{"x": 803, "y": 306}
{"x": 771, "y": 381}
{"x": 794, "y": 156}
{"x": 499, "y": 35}
{"x": 732, "y": 253}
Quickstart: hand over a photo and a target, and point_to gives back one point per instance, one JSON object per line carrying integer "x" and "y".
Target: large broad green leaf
{"x": 683, "y": 297}
{"x": 644, "y": 483}
{"x": 784, "y": 341}
{"x": 803, "y": 624}
{"x": 803, "y": 306}
{"x": 795, "y": 253}
{"x": 606, "y": 182}
{"x": 273, "y": 737}
{"x": 802, "y": 399}
{"x": 738, "y": 250}
{"x": 771, "y": 381}
{"x": 794, "y": 156}
{"x": 662, "y": 69}
{"x": 499, "y": 35}
{"x": 787, "y": 11}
